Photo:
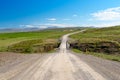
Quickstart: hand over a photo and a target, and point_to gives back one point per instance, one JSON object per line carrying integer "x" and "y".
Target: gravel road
{"x": 62, "y": 65}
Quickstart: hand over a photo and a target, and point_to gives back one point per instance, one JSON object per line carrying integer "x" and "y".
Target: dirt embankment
{"x": 34, "y": 46}
{"x": 100, "y": 47}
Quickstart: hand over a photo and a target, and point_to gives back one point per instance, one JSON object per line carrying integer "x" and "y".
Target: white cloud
{"x": 52, "y": 19}
{"x": 42, "y": 26}
{"x": 60, "y": 25}
{"x": 108, "y": 14}
{"x": 75, "y": 15}
{"x": 46, "y": 25}
{"x": 27, "y": 26}
{"x": 32, "y": 26}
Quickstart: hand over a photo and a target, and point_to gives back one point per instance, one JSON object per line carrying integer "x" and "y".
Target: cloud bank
{"x": 108, "y": 14}
{"x": 106, "y": 18}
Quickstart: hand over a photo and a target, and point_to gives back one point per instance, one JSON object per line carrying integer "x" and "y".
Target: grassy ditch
{"x": 101, "y": 55}
{"x": 99, "y": 47}
{"x": 98, "y": 41}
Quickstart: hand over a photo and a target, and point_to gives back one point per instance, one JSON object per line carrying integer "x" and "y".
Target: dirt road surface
{"x": 62, "y": 65}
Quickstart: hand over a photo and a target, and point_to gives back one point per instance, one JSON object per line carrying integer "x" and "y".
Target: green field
{"x": 101, "y": 39}
{"x": 7, "y": 39}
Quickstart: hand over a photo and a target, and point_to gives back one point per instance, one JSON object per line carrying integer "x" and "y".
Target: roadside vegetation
{"x": 26, "y": 41}
{"x": 101, "y": 42}
{"x": 101, "y": 55}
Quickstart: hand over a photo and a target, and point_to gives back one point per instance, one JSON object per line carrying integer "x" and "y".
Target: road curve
{"x": 62, "y": 65}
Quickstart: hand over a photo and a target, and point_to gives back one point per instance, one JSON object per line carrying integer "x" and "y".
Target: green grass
{"x": 7, "y": 39}
{"x": 101, "y": 55}
{"x": 34, "y": 46}
{"x": 98, "y": 35}
{"x": 24, "y": 46}
{"x": 77, "y": 51}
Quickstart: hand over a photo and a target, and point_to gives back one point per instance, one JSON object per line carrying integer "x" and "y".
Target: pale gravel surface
{"x": 8, "y": 58}
{"x": 62, "y": 65}
{"x": 107, "y": 68}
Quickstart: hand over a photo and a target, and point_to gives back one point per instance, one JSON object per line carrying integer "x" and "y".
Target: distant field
{"x": 7, "y": 39}
{"x": 105, "y": 42}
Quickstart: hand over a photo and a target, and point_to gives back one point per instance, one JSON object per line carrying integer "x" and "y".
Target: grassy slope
{"x": 97, "y": 35}
{"x": 7, "y": 39}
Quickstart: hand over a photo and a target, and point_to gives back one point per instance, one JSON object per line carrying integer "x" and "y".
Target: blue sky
{"x": 43, "y": 13}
